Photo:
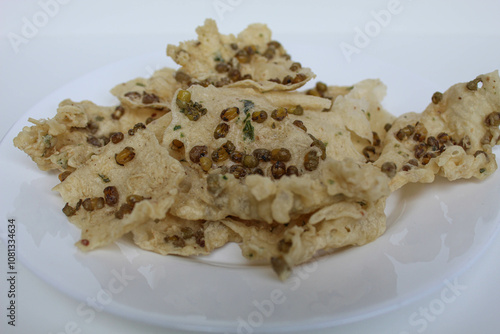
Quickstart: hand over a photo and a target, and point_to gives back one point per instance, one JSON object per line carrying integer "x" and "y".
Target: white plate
{"x": 434, "y": 232}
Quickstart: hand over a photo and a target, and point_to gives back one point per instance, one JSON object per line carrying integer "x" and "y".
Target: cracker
{"x": 176, "y": 236}
{"x": 457, "y": 125}
{"x": 335, "y": 226}
{"x": 153, "y": 93}
{"x": 219, "y": 191}
{"x": 151, "y": 176}
{"x": 251, "y": 59}
{"x": 77, "y": 131}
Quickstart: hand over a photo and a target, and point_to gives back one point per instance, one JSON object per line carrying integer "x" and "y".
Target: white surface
{"x": 442, "y": 42}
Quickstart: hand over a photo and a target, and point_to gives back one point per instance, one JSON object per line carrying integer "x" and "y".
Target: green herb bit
{"x": 330, "y": 181}
{"x": 247, "y": 105}
{"x": 47, "y": 140}
{"x": 248, "y": 130}
{"x": 99, "y": 118}
{"x": 63, "y": 162}
{"x": 482, "y": 170}
{"x": 140, "y": 84}
{"x": 177, "y": 127}
{"x": 218, "y": 56}
{"x": 104, "y": 178}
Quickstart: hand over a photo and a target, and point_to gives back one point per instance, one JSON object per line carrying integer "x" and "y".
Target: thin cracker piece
{"x": 173, "y": 235}
{"x": 135, "y": 188}
{"x": 221, "y": 189}
{"x": 252, "y": 59}
{"x": 77, "y": 131}
{"x": 154, "y": 93}
{"x": 335, "y": 226}
{"x": 453, "y": 137}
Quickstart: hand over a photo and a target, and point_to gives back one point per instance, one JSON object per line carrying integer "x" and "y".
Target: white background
{"x": 442, "y": 41}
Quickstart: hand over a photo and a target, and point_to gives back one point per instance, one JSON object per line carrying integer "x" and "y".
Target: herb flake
{"x": 104, "y": 178}
{"x": 248, "y": 129}
{"x": 247, "y": 105}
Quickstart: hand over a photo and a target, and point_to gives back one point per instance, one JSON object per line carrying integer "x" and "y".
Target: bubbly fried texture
{"x": 223, "y": 150}
{"x": 173, "y": 235}
{"x": 78, "y": 131}
{"x": 224, "y": 189}
{"x": 453, "y": 137}
{"x": 334, "y": 226}
{"x": 251, "y": 59}
{"x": 154, "y": 93}
{"x": 133, "y": 191}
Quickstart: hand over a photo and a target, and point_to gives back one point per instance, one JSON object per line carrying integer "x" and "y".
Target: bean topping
{"x": 433, "y": 143}
{"x": 238, "y": 171}
{"x": 182, "y": 77}
{"x": 473, "y": 85}
{"x": 94, "y": 141}
{"x": 222, "y": 67}
{"x": 280, "y": 154}
{"x": 220, "y": 155}
{"x": 111, "y": 195}
{"x": 68, "y": 210}
{"x": 118, "y": 113}
{"x": 493, "y": 119}
{"x": 116, "y": 137}
{"x": 125, "y": 209}
{"x": 300, "y": 125}
{"x": 197, "y": 152}
{"x": 229, "y": 114}
{"x": 389, "y": 168}
{"x": 278, "y": 169}
{"x": 176, "y": 145}
{"x": 229, "y": 147}
{"x": 279, "y": 114}
{"x": 405, "y": 132}
{"x": 437, "y": 97}
{"x": 262, "y": 154}
{"x": 420, "y": 132}
{"x": 311, "y": 161}
{"x": 150, "y": 98}
{"x": 234, "y": 75}
{"x": 236, "y": 157}
{"x": 259, "y": 116}
{"x": 133, "y": 95}
{"x": 427, "y": 158}
{"x": 292, "y": 170}
{"x": 64, "y": 175}
{"x": 250, "y": 161}
{"x": 125, "y": 156}
{"x": 295, "y": 67}
{"x": 221, "y": 130}
{"x": 205, "y": 163}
